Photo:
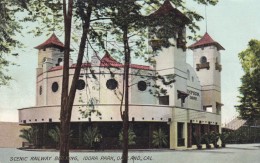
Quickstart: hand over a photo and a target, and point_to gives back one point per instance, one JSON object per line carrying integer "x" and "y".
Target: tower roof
{"x": 108, "y": 60}
{"x": 206, "y": 40}
{"x": 53, "y": 41}
{"x": 166, "y": 10}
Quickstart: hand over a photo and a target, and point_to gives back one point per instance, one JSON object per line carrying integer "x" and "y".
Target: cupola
{"x": 206, "y": 40}
{"x": 53, "y": 41}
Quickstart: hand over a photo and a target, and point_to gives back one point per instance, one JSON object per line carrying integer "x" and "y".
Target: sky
{"x": 232, "y": 23}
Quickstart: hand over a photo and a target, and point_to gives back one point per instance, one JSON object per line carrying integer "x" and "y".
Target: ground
{"x": 237, "y": 153}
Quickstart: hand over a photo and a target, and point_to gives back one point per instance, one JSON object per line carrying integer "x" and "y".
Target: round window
{"x": 55, "y": 87}
{"x": 141, "y": 86}
{"x": 203, "y": 60}
{"x": 112, "y": 84}
{"x": 80, "y": 84}
{"x": 40, "y": 90}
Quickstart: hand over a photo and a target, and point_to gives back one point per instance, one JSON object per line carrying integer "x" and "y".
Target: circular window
{"x": 112, "y": 84}
{"x": 80, "y": 84}
{"x": 40, "y": 90}
{"x": 55, "y": 87}
{"x": 203, "y": 60}
{"x": 141, "y": 86}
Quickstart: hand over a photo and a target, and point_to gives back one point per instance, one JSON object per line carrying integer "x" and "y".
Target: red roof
{"x": 52, "y": 41}
{"x": 106, "y": 61}
{"x": 168, "y": 10}
{"x": 206, "y": 40}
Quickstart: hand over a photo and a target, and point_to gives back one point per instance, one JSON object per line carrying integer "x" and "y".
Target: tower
{"x": 207, "y": 62}
{"x": 50, "y": 54}
{"x": 167, "y": 38}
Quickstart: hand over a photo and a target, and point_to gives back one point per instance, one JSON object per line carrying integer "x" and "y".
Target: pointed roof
{"x": 206, "y": 40}
{"x": 167, "y": 9}
{"x": 107, "y": 60}
{"x": 52, "y": 41}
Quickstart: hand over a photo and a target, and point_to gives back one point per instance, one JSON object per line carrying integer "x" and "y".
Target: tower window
{"x": 59, "y": 61}
{"x": 141, "y": 86}
{"x": 55, "y": 87}
{"x": 216, "y": 59}
{"x": 203, "y": 59}
{"x": 81, "y": 84}
{"x": 188, "y": 74}
{"x": 40, "y": 90}
{"x": 112, "y": 84}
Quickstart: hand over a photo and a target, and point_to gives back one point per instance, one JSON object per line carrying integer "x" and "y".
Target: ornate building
{"x": 192, "y": 104}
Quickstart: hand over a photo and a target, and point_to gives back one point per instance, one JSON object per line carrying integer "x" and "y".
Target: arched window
{"x": 188, "y": 74}
{"x": 203, "y": 59}
{"x": 59, "y": 61}
{"x": 216, "y": 59}
{"x": 40, "y": 90}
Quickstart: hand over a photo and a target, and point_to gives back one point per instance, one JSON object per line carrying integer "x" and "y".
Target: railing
{"x": 202, "y": 66}
{"x": 218, "y": 66}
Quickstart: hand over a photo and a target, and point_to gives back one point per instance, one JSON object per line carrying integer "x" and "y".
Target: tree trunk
{"x": 67, "y": 99}
{"x": 125, "y": 113}
{"x": 65, "y": 121}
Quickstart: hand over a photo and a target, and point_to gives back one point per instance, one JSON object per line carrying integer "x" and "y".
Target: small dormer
{"x": 50, "y": 53}
{"x": 205, "y": 41}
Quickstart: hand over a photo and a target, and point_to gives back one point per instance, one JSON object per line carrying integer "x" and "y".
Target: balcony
{"x": 202, "y": 66}
{"x": 218, "y": 67}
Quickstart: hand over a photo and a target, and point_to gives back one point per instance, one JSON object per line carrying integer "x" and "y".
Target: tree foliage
{"x": 249, "y": 107}
{"x": 9, "y": 28}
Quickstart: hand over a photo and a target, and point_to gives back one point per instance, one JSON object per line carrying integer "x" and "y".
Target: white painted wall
{"x": 210, "y": 80}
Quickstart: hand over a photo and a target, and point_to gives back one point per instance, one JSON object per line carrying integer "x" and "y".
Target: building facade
{"x": 190, "y": 104}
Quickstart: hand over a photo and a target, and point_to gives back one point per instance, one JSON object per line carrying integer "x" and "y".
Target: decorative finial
{"x": 53, "y": 22}
{"x": 206, "y": 19}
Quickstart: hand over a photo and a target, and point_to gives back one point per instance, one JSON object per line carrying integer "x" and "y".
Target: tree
{"x": 55, "y": 135}
{"x": 29, "y": 134}
{"x": 90, "y": 135}
{"x": 249, "y": 107}
{"x": 159, "y": 138}
{"x": 131, "y": 137}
